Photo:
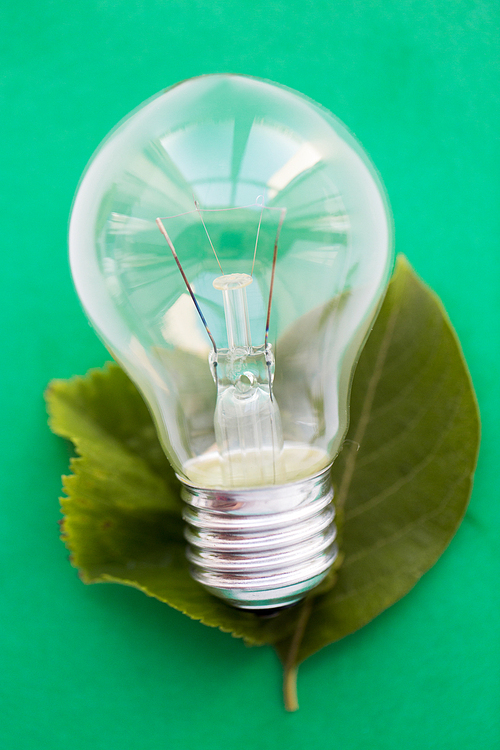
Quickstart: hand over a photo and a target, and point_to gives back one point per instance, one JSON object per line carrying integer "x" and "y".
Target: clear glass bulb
{"x": 231, "y": 242}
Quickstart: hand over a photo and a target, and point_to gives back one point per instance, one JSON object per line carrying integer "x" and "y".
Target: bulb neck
{"x": 261, "y": 548}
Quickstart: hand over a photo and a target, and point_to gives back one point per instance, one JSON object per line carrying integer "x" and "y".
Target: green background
{"x": 104, "y": 666}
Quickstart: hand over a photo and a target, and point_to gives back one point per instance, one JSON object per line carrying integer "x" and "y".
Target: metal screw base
{"x": 261, "y": 548}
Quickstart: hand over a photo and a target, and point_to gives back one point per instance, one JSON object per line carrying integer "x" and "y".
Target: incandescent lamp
{"x": 230, "y": 241}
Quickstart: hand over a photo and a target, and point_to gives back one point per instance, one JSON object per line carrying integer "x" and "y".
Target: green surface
{"x": 105, "y": 666}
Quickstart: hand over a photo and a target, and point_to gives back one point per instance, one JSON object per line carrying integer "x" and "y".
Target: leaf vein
{"x": 367, "y": 458}
{"x": 405, "y": 529}
{"x": 367, "y": 407}
{"x": 391, "y": 489}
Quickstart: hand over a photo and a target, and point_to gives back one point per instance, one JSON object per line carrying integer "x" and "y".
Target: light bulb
{"x": 230, "y": 241}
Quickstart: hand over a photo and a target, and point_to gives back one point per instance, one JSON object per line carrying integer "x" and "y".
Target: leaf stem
{"x": 290, "y": 688}
{"x": 290, "y": 666}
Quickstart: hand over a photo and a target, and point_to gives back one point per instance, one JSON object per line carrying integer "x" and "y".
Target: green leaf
{"x": 405, "y": 475}
{"x": 402, "y": 483}
{"x": 122, "y": 510}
